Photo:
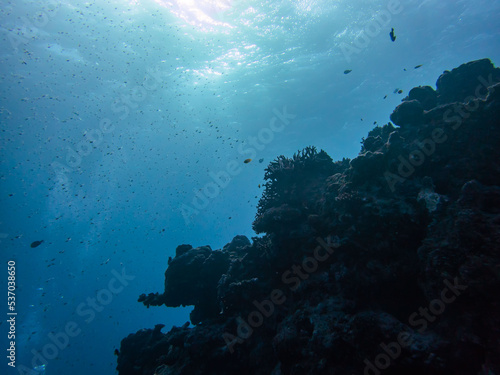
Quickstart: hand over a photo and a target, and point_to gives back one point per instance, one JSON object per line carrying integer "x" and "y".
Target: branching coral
{"x": 293, "y": 182}
{"x": 284, "y": 174}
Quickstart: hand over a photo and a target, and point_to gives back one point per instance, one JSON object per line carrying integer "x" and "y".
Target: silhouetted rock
{"x": 425, "y": 95}
{"x": 408, "y": 113}
{"x": 469, "y": 80}
{"x": 191, "y": 279}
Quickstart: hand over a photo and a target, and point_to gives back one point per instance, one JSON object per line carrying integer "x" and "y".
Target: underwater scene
{"x": 264, "y": 187}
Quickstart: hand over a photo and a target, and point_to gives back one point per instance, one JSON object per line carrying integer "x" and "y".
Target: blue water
{"x": 117, "y": 117}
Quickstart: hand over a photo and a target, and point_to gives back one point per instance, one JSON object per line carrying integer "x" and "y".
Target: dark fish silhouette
{"x": 391, "y": 34}
{"x": 418, "y": 66}
{"x": 36, "y": 243}
{"x": 261, "y": 160}
{"x": 347, "y": 71}
{"x": 246, "y": 161}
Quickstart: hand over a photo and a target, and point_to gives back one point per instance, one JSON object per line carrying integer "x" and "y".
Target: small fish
{"x": 117, "y": 352}
{"x": 36, "y": 244}
{"x": 392, "y": 35}
{"x": 385, "y": 97}
{"x": 418, "y": 66}
{"x": 400, "y": 91}
{"x": 246, "y": 161}
{"x": 259, "y": 186}
{"x": 396, "y": 91}
{"x": 261, "y": 160}
{"x": 347, "y": 71}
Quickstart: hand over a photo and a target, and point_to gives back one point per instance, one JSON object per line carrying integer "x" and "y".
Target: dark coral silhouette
{"x": 387, "y": 263}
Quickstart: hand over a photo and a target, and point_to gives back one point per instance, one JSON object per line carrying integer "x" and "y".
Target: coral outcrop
{"x": 385, "y": 264}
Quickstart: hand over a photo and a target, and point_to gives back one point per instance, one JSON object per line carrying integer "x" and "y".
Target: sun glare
{"x": 207, "y": 15}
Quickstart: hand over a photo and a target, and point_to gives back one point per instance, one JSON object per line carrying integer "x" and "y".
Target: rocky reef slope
{"x": 385, "y": 264}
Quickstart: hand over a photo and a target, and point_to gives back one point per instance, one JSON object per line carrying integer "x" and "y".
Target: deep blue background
{"x": 220, "y": 69}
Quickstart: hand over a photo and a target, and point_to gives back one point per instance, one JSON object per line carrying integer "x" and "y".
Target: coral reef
{"x": 191, "y": 279}
{"x": 385, "y": 264}
{"x": 291, "y": 191}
